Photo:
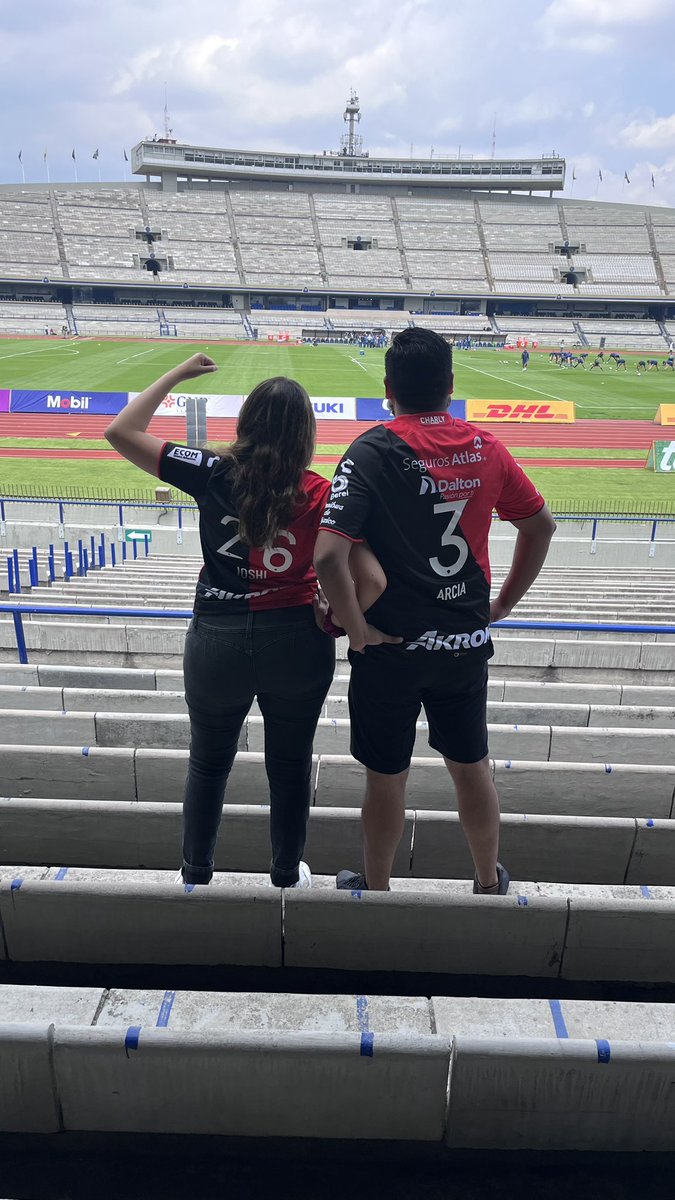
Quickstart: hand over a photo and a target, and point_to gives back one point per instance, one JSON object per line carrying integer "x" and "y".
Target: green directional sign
{"x": 137, "y": 535}
{"x": 661, "y": 457}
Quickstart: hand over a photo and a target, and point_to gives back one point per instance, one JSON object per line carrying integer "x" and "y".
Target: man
{"x": 421, "y": 490}
{"x": 598, "y": 362}
{"x": 525, "y": 356}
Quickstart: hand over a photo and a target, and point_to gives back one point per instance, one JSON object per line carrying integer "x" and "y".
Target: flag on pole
{"x": 95, "y": 154}
{"x": 625, "y": 175}
{"x": 20, "y": 153}
{"x": 653, "y": 181}
{"x": 600, "y": 175}
{"x": 126, "y": 159}
{"x": 73, "y": 156}
{"x": 44, "y": 156}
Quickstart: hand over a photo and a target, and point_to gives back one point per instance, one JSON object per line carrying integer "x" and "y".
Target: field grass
{"x": 334, "y": 371}
{"x": 88, "y": 365}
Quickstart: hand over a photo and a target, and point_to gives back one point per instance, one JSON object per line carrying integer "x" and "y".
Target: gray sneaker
{"x": 503, "y": 881}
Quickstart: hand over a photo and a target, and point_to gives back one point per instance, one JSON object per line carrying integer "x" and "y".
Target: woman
{"x": 254, "y": 631}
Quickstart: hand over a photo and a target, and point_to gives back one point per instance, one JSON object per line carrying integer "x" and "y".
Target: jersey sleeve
{"x": 351, "y": 493}
{"x": 519, "y": 497}
{"x": 186, "y": 467}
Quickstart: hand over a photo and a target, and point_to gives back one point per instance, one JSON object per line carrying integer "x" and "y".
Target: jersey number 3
{"x": 275, "y": 558}
{"x": 454, "y": 510}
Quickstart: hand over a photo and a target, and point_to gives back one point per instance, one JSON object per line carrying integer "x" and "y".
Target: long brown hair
{"x": 276, "y": 435}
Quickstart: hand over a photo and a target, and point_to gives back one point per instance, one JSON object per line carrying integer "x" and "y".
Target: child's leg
{"x": 369, "y": 579}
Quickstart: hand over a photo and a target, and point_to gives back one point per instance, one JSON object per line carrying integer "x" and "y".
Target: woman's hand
{"x": 370, "y": 636}
{"x": 199, "y": 364}
{"x": 498, "y": 610}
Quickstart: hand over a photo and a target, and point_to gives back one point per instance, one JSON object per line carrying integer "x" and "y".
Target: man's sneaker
{"x": 351, "y": 881}
{"x": 503, "y": 881}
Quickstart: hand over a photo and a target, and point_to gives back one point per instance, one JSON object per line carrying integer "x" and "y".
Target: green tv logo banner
{"x": 661, "y": 457}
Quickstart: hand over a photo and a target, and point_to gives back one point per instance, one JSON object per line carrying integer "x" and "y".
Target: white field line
{"x": 358, "y": 364}
{"x": 140, "y": 354}
{"x": 537, "y": 391}
{"x": 47, "y": 350}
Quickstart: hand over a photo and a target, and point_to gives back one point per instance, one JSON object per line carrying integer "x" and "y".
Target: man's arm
{"x": 532, "y": 543}
{"x": 127, "y": 433}
{"x": 331, "y": 560}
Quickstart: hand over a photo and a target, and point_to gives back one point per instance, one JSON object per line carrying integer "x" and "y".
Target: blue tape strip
{"x": 85, "y": 751}
{"x": 362, "y": 1014}
{"x": 62, "y": 872}
{"x": 164, "y": 1014}
{"x": 357, "y": 895}
{"x": 189, "y": 887}
{"x": 522, "y": 901}
{"x": 132, "y": 1039}
{"x": 508, "y": 764}
{"x": 367, "y": 1045}
{"x": 16, "y": 884}
{"x": 608, "y": 769}
{"x": 604, "y": 1051}
{"x": 645, "y": 891}
{"x": 650, "y": 823}
{"x": 559, "y": 1023}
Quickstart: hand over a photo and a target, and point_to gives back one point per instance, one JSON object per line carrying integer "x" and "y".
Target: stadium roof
{"x": 170, "y": 161}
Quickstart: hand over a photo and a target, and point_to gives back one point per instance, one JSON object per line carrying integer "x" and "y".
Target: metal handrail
{"x": 17, "y": 612}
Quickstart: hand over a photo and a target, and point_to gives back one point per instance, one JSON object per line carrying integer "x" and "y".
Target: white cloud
{"x": 590, "y": 25}
{"x": 649, "y": 135}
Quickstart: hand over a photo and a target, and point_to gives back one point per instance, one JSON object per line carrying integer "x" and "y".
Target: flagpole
{"x": 46, "y": 162}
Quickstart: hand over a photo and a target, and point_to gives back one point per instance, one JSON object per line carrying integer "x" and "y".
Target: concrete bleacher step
{"x": 136, "y": 835}
{"x": 93, "y": 773}
{"x": 645, "y": 741}
{"x": 470, "y": 1072}
{"x": 541, "y": 930}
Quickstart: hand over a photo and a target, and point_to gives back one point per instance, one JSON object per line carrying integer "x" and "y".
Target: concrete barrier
{"x": 653, "y": 853}
{"x": 572, "y": 1095}
{"x": 426, "y": 931}
{"x": 68, "y": 772}
{"x": 585, "y": 789}
{"x": 107, "y": 918}
{"x": 27, "y": 1101}
{"x": 559, "y": 849}
{"x": 345, "y": 1085}
{"x": 609, "y": 939}
{"x": 649, "y": 747}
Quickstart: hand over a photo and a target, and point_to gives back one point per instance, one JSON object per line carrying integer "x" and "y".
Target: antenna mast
{"x": 168, "y": 131}
{"x": 351, "y": 143}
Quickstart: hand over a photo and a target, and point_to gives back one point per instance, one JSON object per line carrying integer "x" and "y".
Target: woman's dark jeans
{"x": 284, "y": 659}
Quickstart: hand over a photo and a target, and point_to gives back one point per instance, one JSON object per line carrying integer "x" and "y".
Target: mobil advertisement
{"x": 556, "y": 412}
{"x": 4, "y": 399}
{"x": 66, "y": 401}
{"x": 373, "y": 408}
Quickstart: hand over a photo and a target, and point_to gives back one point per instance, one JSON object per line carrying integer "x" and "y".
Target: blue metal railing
{"x": 17, "y": 612}
{"x": 89, "y": 558}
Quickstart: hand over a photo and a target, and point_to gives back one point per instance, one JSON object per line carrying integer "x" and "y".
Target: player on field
{"x": 652, "y": 364}
{"x": 598, "y": 362}
{"x": 641, "y": 365}
{"x": 620, "y": 363}
{"x": 421, "y": 490}
{"x": 525, "y": 358}
{"x": 669, "y": 363}
{"x": 254, "y": 630}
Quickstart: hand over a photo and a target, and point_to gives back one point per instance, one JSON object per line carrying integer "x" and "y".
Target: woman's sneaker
{"x": 304, "y": 878}
{"x": 499, "y": 889}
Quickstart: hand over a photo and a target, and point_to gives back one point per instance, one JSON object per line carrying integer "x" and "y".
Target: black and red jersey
{"x": 236, "y": 577}
{"x": 421, "y": 490}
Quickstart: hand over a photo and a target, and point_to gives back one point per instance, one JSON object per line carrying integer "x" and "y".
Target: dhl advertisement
{"x": 556, "y": 412}
{"x": 666, "y": 414}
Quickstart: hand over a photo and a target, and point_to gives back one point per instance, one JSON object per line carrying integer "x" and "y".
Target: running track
{"x": 608, "y": 435}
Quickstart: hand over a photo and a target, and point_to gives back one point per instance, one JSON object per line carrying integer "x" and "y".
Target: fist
{"x": 199, "y": 364}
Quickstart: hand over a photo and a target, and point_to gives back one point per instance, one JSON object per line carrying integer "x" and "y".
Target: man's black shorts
{"x": 388, "y": 688}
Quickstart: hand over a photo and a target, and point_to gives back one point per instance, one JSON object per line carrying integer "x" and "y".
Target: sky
{"x": 588, "y": 79}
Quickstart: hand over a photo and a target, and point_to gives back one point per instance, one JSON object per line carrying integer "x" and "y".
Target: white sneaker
{"x": 305, "y": 877}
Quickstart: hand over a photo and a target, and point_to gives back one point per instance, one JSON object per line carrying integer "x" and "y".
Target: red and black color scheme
{"x": 421, "y": 491}
{"x": 236, "y": 577}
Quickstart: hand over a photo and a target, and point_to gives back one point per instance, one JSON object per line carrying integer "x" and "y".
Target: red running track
{"x": 608, "y": 435}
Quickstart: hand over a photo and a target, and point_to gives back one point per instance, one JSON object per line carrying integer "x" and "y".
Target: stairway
{"x": 401, "y": 245}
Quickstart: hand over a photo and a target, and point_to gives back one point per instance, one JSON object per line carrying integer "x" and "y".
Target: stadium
{"x": 431, "y": 1017}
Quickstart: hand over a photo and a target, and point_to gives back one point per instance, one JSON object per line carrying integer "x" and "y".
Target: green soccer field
{"x": 87, "y": 365}
{"x": 329, "y": 371}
